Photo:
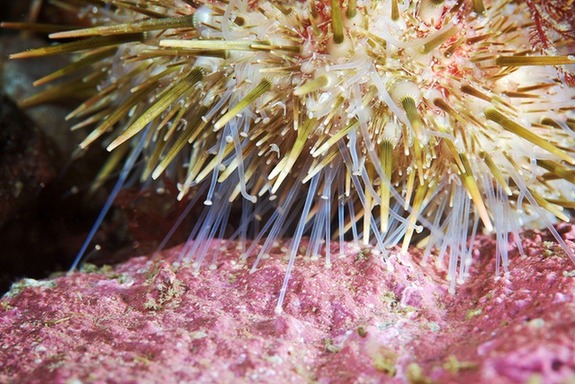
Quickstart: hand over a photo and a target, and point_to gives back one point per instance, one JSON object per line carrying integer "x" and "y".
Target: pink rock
{"x": 154, "y": 320}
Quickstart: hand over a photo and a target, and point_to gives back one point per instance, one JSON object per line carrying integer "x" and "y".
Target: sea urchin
{"x": 387, "y": 122}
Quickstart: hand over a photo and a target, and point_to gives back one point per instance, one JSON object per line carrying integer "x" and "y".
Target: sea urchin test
{"x": 382, "y": 122}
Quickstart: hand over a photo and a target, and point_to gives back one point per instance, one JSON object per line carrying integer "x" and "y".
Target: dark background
{"x": 45, "y": 212}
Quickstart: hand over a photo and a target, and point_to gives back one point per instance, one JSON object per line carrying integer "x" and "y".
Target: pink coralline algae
{"x": 361, "y": 321}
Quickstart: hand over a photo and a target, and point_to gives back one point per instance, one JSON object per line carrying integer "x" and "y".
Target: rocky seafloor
{"x": 155, "y": 320}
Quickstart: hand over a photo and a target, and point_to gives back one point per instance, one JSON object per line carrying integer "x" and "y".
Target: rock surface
{"x": 361, "y": 321}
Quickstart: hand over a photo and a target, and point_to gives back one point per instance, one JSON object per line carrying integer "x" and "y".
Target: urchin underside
{"x": 386, "y": 122}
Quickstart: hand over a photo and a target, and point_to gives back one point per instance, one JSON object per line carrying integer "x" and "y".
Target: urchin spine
{"x": 388, "y": 122}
